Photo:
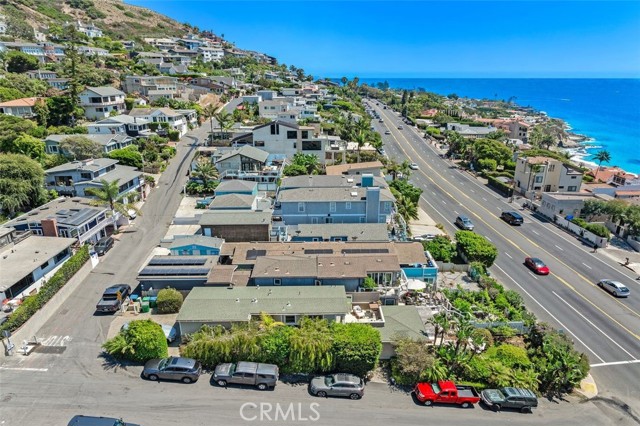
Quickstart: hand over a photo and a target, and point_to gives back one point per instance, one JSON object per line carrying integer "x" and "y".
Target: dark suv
{"x": 512, "y": 218}
{"x": 520, "y": 399}
{"x": 113, "y": 297}
{"x": 186, "y": 370}
{"x": 103, "y": 245}
{"x": 262, "y": 376}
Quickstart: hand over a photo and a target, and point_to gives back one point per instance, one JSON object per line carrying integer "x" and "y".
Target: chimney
{"x": 49, "y": 227}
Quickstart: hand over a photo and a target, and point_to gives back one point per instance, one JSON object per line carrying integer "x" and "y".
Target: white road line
{"x": 558, "y": 247}
{"x": 488, "y": 239}
{"x": 535, "y": 232}
{"x": 484, "y": 198}
{"x": 531, "y": 273}
{"x": 550, "y": 314}
{"x": 24, "y": 369}
{"x": 472, "y": 191}
{"x": 593, "y": 325}
{"x": 433, "y": 193}
{"x": 444, "y": 202}
{"x": 456, "y": 212}
{"x": 461, "y": 183}
{"x": 508, "y": 255}
{"x": 604, "y": 364}
{"x": 587, "y": 265}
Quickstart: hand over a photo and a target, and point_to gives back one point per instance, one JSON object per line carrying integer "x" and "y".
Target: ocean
{"x": 605, "y": 110}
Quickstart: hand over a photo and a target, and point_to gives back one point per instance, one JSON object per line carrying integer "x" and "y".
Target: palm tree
{"x": 406, "y": 208}
{"x": 108, "y": 194}
{"x": 533, "y": 170}
{"x": 601, "y": 156}
{"x": 361, "y": 139}
{"x": 206, "y": 172}
{"x": 209, "y": 113}
{"x": 393, "y": 168}
{"x": 225, "y": 120}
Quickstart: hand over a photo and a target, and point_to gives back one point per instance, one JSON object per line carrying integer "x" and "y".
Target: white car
{"x": 413, "y": 166}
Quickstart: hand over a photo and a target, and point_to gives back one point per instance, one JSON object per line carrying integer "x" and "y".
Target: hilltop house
{"x": 90, "y": 30}
{"x": 120, "y": 125}
{"x": 176, "y": 119}
{"x": 99, "y": 102}
{"x": 109, "y": 142}
{"x": 23, "y": 108}
{"x": 211, "y": 54}
{"x": 152, "y": 87}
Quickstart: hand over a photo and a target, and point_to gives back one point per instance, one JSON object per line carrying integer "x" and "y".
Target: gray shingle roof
{"x": 247, "y": 151}
{"x": 401, "y": 321}
{"x": 236, "y": 185}
{"x": 106, "y": 91}
{"x": 239, "y": 303}
{"x": 200, "y": 240}
{"x": 329, "y": 194}
{"x": 361, "y": 231}
{"x": 240, "y": 201}
{"x": 324, "y": 181}
{"x": 95, "y": 165}
{"x": 101, "y": 139}
{"x": 235, "y": 217}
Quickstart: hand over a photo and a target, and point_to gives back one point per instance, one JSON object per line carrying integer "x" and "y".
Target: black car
{"x": 520, "y": 399}
{"x": 512, "y": 218}
{"x": 103, "y": 245}
{"x": 97, "y": 421}
{"x": 113, "y": 297}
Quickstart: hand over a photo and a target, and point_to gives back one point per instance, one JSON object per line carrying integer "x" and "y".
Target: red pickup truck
{"x": 446, "y": 392}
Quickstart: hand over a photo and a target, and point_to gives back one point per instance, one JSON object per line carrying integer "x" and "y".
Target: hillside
{"x": 118, "y": 20}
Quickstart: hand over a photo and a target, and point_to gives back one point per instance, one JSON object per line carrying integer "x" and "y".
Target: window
{"x": 328, "y": 220}
{"x": 311, "y": 145}
{"x": 552, "y": 167}
{"x": 572, "y": 189}
{"x": 332, "y": 206}
{"x": 292, "y": 134}
{"x": 300, "y": 207}
{"x": 538, "y": 179}
{"x": 362, "y": 219}
{"x": 347, "y": 205}
{"x": 289, "y": 319}
{"x": 44, "y": 265}
{"x": 86, "y": 176}
{"x": 275, "y": 129}
{"x": 277, "y": 281}
{"x": 305, "y": 134}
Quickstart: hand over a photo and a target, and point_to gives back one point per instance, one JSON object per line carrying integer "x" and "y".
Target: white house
{"x": 211, "y": 54}
{"x": 99, "y": 102}
{"x": 176, "y": 120}
{"x": 271, "y": 109}
{"x": 89, "y": 29}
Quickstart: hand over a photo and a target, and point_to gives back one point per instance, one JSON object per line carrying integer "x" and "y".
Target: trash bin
{"x": 145, "y": 299}
{"x": 152, "y": 301}
{"x": 144, "y": 307}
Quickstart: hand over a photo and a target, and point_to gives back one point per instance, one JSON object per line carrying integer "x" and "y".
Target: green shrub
{"x": 599, "y": 230}
{"x": 509, "y": 355}
{"x": 153, "y": 126}
{"x": 441, "y": 248}
{"x": 169, "y": 301}
{"x": 580, "y": 222}
{"x": 369, "y": 283}
{"x": 31, "y": 304}
{"x": 356, "y": 348}
{"x": 476, "y": 248}
{"x": 141, "y": 341}
{"x": 174, "y": 135}
{"x": 413, "y": 362}
{"x": 487, "y": 164}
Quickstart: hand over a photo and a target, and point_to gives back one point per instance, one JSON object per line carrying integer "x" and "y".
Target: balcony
{"x": 365, "y": 313}
{"x": 93, "y": 102}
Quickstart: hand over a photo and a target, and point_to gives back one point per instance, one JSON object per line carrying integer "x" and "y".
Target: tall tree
{"x": 19, "y": 62}
{"x": 108, "y": 194}
{"x": 21, "y": 183}
{"x": 602, "y": 156}
{"x": 206, "y": 172}
{"x": 209, "y": 112}
{"x": 80, "y": 147}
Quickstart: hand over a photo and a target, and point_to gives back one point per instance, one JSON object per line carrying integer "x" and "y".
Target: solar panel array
{"x": 177, "y": 260}
{"x": 318, "y": 251}
{"x": 365, "y": 251}
{"x": 253, "y": 254}
{"x": 188, "y": 271}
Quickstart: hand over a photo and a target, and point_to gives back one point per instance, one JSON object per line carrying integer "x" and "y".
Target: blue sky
{"x": 428, "y": 38}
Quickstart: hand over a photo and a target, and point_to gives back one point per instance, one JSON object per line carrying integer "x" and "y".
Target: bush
{"x": 509, "y": 355}
{"x": 505, "y": 189}
{"x": 413, "y": 359}
{"x": 441, "y": 248}
{"x": 141, "y": 341}
{"x": 599, "y": 230}
{"x": 169, "y": 301}
{"x": 369, "y": 283}
{"x": 31, "y": 304}
{"x": 476, "y": 248}
{"x": 356, "y": 348}
{"x": 487, "y": 164}
{"x": 580, "y": 222}
{"x": 174, "y": 135}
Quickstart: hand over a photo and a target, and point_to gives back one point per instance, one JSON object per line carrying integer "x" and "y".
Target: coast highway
{"x": 605, "y": 328}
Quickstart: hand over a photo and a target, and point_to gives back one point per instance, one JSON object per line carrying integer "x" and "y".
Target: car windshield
{"x": 328, "y": 380}
{"x": 163, "y": 363}
{"x": 624, "y": 289}
{"x": 538, "y": 262}
{"x": 435, "y": 387}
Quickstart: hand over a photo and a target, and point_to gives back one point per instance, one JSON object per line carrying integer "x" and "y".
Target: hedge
{"x": 174, "y": 135}
{"x": 599, "y": 230}
{"x": 505, "y": 189}
{"x": 141, "y": 341}
{"x": 31, "y": 304}
{"x": 169, "y": 301}
{"x": 476, "y": 248}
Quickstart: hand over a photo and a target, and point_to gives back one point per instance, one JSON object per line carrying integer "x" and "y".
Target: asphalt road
{"x": 605, "y": 328}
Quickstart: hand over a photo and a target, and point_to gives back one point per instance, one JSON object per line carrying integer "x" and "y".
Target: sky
{"x": 369, "y": 38}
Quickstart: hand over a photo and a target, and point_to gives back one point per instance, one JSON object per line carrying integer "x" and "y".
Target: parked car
{"x": 81, "y": 420}
{"x": 262, "y": 376}
{"x": 518, "y": 398}
{"x": 387, "y": 132}
{"x": 186, "y": 370}
{"x": 113, "y": 297}
{"x": 536, "y": 265}
{"x": 423, "y": 237}
{"x": 381, "y": 151}
{"x": 169, "y": 332}
{"x": 400, "y": 128}
{"x": 132, "y": 214}
{"x": 464, "y": 223}
{"x": 340, "y": 384}
{"x": 446, "y": 392}
{"x": 512, "y": 218}
{"x": 614, "y": 287}
{"x": 103, "y": 245}
{"x": 381, "y": 121}
{"x": 413, "y": 166}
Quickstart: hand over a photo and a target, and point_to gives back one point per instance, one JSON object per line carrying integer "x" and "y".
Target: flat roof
{"x": 238, "y": 304}
{"x": 18, "y": 261}
{"x": 236, "y": 185}
{"x": 69, "y": 211}
{"x": 235, "y": 217}
{"x": 200, "y": 240}
{"x": 322, "y": 195}
{"x": 353, "y": 231}
{"x": 340, "y": 169}
{"x": 324, "y": 181}
{"x": 240, "y": 201}
{"x": 94, "y": 165}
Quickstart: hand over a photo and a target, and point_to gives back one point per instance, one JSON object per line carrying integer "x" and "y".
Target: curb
{"x": 588, "y": 387}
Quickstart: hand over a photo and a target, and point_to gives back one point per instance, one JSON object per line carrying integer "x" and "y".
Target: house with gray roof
{"x": 399, "y": 322}
{"x": 471, "y": 132}
{"x": 179, "y": 272}
{"x": 109, "y": 142}
{"x": 251, "y": 164}
{"x": 236, "y": 225}
{"x": 339, "y": 232}
{"x": 100, "y": 102}
{"x": 228, "y": 306}
{"x": 237, "y": 187}
{"x": 234, "y": 202}
{"x": 66, "y": 218}
{"x": 176, "y": 119}
{"x": 122, "y": 125}
{"x": 335, "y": 181}
{"x": 76, "y": 177}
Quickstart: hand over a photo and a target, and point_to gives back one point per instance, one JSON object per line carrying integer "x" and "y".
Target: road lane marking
{"x": 558, "y": 247}
{"x": 604, "y": 364}
{"x": 550, "y": 314}
{"x": 508, "y": 255}
{"x": 456, "y": 212}
{"x": 484, "y": 198}
{"x": 587, "y": 265}
{"x": 535, "y": 232}
{"x": 592, "y": 324}
{"x": 472, "y": 191}
{"x": 532, "y": 274}
{"x": 24, "y": 369}
{"x": 488, "y": 239}
{"x": 444, "y": 202}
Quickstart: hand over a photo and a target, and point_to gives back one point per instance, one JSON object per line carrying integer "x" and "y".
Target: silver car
{"x": 186, "y": 370}
{"x": 614, "y": 287}
{"x": 340, "y": 384}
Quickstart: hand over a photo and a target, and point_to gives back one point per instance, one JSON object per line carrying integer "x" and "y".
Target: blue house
{"x": 237, "y": 187}
{"x": 75, "y": 177}
{"x": 66, "y": 218}
{"x": 195, "y": 245}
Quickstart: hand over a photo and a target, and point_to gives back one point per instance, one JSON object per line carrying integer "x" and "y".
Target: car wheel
{"x": 465, "y": 405}
{"x": 262, "y": 386}
{"x": 152, "y": 377}
{"x": 187, "y": 380}
{"x": 525, "y": 409}
{"x": 222, "y": 383}
{"x": 615, "y": 294}
{"x": 496, "y": 407}
{"x": 322, "y": 394}
{"x": 428, "y": 402}
{"x": 600, "y": 285}
{"x": 354, "y": 396}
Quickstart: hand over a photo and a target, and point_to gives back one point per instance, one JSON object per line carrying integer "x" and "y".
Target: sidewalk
{"x": 619, "y": 251}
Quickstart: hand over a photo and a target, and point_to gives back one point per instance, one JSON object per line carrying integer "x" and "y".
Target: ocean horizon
{"x": 606, "y": 110}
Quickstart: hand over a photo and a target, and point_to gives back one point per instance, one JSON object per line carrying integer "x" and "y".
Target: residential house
{"x": 519, "y": 130}
{"x": 93, "y": 51}
{"x": 211, "y": 54}
{"x": 237, "y": 305}
{"x": 162, "y": 43}
{"x": 3, "y": 24}
{"x": 152, "y": 87}
{"x": 41, "y": 74}
{"x": 100, "y": 102}
{"x": 44, "y": 52}
{"x": 371, "y": 167}
{"x": 271, "y": 109}
{"x": 172, "y": 69}
{"x": 267, "y": 95}
{"x": 176, "y": 120}
{"x": 546, "y": 174}
{"x": 564, "y": 204}
{"x": 67, "y": 218}
{"x": 26, "y": 261}
{"x": 470, "y": 132}
{"x": 615, "y": 176}
{"x": 251, "y": 164}
{"x": 291, "y": 91}
{"x": 398, "y": 322}
{"x": 236, "y": 225}
{"x": 182, "y": 272}
{"x": 234, "y": 202}
{"x": 122, "y": 125}
{"x": 336, "y": 181}
{"x": 23, "y": 107}
{"x": 129, "y": 45}
{"x": 90, "y": 30}
{"x": 252, "y": 99}
{"x": 109, "y": 142}
{"x": 74, "y": 178}
{"x": 339, "y": 232}
{"x": 195, "y": 245}
{"x": 191, "y": 42}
